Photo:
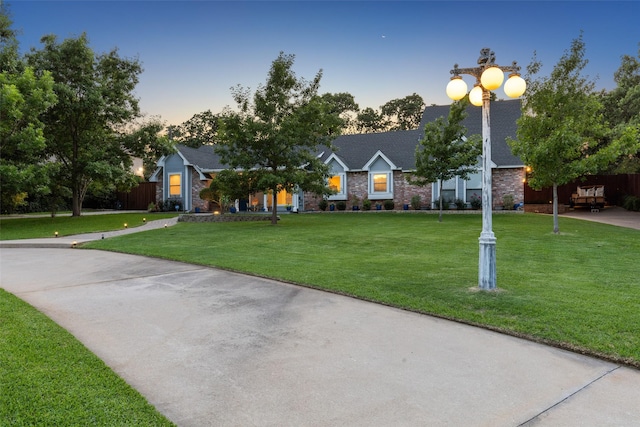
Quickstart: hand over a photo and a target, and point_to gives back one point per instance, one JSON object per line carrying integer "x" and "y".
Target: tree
{"x": 446, "y": 151}
{"x": 344, "y": 105}
{"x": 274, "y": 139}
{"x": 404, "y": 113}
{"x": 23, "y": 98}
{"x": 370, "y": 121}
{"x": 201, "y": 129}
{"x": 88, "y": 132}
{"x": 622, "y": 111}
{"x": 226, "y": 186}
{"x": 562, "y": 129}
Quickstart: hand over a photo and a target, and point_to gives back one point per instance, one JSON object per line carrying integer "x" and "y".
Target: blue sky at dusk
{"x": 193, "y": 51}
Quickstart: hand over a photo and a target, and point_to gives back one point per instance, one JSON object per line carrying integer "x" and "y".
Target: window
{"x": 474, "y": 186}
{"x": 380, "y": 183}
{"x": 337, "y": 183}
{"x": 175, "y": 181}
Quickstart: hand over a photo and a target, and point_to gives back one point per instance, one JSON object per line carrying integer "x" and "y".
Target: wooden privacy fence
{"x": 616, "y": 187}
{"x": 138, "y": 198}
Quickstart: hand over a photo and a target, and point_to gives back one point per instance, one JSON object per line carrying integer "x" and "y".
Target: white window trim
{"x": 342, "y": 195}
{"x": 379, "y": 195}
{"x": 169, "y": 195}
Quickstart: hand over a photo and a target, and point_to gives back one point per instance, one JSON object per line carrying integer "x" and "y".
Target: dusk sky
{"x": 193, "y": 52}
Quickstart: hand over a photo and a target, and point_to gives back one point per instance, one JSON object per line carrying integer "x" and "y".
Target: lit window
{"x": 380, "y": 182}
{"x": 338, "y": 184}
{"x": 174, "y": 184}
{"x": 335, "y": 183}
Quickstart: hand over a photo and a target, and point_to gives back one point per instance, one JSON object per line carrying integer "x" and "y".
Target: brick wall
{"x": 507, "y": 181}
{"x": 357, "y": 185}
{"x": 198, "y": 185}
{"x": 159, "y": 188}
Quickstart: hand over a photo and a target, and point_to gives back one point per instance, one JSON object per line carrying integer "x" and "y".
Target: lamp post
{"x": 489, "y": 76}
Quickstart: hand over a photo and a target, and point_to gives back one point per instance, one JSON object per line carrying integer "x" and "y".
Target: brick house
{"x": 371, "y": 166}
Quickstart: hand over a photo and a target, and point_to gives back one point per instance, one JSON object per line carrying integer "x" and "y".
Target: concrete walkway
{"x": 613, "y": 215}
{"x": 214, "y": 348}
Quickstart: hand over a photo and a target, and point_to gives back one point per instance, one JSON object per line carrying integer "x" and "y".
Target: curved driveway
{"x": 213, "y": 348}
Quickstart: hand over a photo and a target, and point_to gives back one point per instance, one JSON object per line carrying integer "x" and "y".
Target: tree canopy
{"x": 92, "y": 132}
{"x": 24, "y": 96}
{"x": 404, "y": 113}
{"x": 446, "y": 151}
{"x": 622, "y": 111}
{"x": 562, "y": 131}
{"x": 200, "y": 129}
{"x": 274, "y": 136}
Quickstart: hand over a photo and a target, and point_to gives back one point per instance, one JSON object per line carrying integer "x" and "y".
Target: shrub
{"x": 173, "y": 204}
{"x": 476, "y": 201}
{"x": 460, "y": 204}
{"x": 631, "y": 203}
{"x": 388, "y": 205}
{"x": 341, "y": 205}
{"x": 366, "y": 204}
{"x": 507, "y": 201}
{"x": 323, "y": 205}
{"x": 445, "y": 204}
{"x": 416, "y": 203}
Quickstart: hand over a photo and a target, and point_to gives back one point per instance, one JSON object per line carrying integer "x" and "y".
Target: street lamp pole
{"x": 489, "y": 76}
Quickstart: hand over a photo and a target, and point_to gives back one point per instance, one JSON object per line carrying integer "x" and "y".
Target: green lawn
{"x": 31, "y": 228}
{"x": 47, "y": 378}
{"x": 579, "y": 290}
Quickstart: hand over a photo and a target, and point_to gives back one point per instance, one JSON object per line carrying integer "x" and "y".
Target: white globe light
{"x": 456, "y": 89}
{"x": 515, "y": 86}
{"x": 475, "y": 96}
{"x": 492, "y": 78}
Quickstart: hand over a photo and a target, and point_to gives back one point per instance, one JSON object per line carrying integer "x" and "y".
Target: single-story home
{"x": 364, "y": 166}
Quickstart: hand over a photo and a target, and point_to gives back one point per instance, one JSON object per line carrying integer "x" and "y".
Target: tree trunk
{"x": 274, "y": 205}
{"x": 76, "y": 201}
{"x": 556, "y": 227}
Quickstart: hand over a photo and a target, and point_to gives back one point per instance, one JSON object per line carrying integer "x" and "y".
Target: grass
{"x": 49, "y": 378}
{"x": 37, "y": 227}
{"x": 578, "y": 290}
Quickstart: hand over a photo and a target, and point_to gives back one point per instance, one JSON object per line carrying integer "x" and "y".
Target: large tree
{"x": 88, "y": 132}
{"x": 199, "y": 130}
{"x": 275, "y": 135}
{"x": 561, "y": 132}
{"x": 446, "y": 151}
{"x": 23, "y": 98}
{"x": 344, "y": 105}
{"x": 404, "y": 113}
{"x": 370, "y": 121}
{"x": 622, "y": 111}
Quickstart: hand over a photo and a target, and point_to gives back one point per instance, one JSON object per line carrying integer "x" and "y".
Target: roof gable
{"x": 355, "y": 151}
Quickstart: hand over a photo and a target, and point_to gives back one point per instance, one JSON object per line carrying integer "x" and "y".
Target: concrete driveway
{"x": 213, "y": 348}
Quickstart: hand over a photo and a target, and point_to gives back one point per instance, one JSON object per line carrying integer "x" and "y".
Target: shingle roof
{"x": 399, "y": 146}
{"x": 356, "y": 150}
{"x": 203, "y": 157}
{"x": 503, "y": 125}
